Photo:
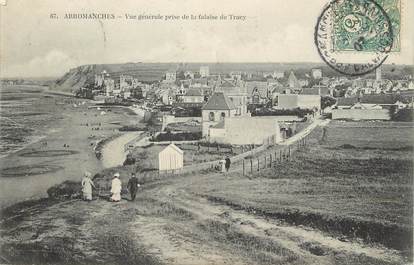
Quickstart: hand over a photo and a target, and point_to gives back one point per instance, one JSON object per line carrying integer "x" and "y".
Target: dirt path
{"x": 174, "y": 244}
{"x": 113, "y": 153}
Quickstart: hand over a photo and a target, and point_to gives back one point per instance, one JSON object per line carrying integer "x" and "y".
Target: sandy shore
{"x": 28, "y": 173}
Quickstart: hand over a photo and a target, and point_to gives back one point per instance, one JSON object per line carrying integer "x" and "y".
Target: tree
{"x": 327, "y": 101}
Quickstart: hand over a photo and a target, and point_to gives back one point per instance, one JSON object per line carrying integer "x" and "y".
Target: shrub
{"x": 281, "y": 112}
{"x": 67, "y": 189}
{"x": 182, "y": 136}
{"x": 402, "y": 115}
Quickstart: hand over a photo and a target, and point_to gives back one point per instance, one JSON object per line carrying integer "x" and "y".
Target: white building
{"x": 237, "y": 95}
{"x": 293, "y": 82}
{"x": 204, "y": 71}
{"x": 317, "y": 73}
{"x": 171, "y": 76}
{"x": 171, "y": 158}
{"x": 246, "y": 130}
{"x": 109, "y": 86}
{"x": 378, "y": 74}
{"x": 294, "y": 101}
{"x": 218, "y": 107}
{"x": 193, "y": 95}
{"x": 279, "y": 75}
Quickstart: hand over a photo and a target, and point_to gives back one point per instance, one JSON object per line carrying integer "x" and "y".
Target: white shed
{"x": 171, "y": 158}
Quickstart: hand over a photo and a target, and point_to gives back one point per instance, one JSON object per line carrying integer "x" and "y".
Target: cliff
{"x": 85, "y": 74}
{"x": 75, "y": 78}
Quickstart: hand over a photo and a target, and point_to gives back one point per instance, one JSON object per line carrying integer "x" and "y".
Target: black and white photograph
{"x": 206, "y": 132}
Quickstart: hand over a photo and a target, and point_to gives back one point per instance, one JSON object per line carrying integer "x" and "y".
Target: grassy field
{"x": 357, "y": 182}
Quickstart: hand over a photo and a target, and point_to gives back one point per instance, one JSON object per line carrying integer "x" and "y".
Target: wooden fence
{"x": 273, "y": 157}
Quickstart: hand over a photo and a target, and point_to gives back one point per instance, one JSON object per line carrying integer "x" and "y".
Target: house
{"x": 236, "y": 75}
{"x": 360, "y": 111}
{"x": 125, "y": 82}
{"x": 188, "y": 75}
{"x": 368, "y": 107}
{"x": 257, "y": 91}
{"x": 109, "y": 85}
{"x": 246, "y": 130}
{"x": 279, "y": 75}
{"x": 293, "y": 82}
{"x": 294, "y": 101}
{"x": 215, "y": 110}
{"x": 167, "y": 96}
{"x": 316, "y": 73}
{"x": 171, "y": 76}
{"x": 204, "y": 71}
{"x": 237, "y": 95}
{"x": 193, "y": 95}
{"x": 171, "y": 158}
{"x": 383, "y": 100}
{"x": 317, "y": 90}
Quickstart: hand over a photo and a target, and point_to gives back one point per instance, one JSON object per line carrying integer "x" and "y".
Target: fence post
{"x": 251, "y": 166}
{"x": 265, "y": 164}
{"x": 270, "y": 161}
{"x": 289, "y": 153}
{"x": 243, "y": 168}
{"x": 280, "y": 156}
{"x": 258, "y": 164}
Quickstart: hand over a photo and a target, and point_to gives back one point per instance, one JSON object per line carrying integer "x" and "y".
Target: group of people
{"x": 116, "y": 187}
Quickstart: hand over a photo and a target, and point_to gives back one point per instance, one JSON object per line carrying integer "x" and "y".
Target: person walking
{"x": 133, "y": 186}
{"x": 227, "y": 163}
{"x": 116, "y": 188}
{"x": 87, "y": 185}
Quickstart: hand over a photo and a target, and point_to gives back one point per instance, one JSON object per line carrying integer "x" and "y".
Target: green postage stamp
{"x": 357, "y": 26}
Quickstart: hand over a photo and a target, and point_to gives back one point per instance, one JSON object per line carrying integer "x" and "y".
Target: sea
{"x": 26, "y": 115}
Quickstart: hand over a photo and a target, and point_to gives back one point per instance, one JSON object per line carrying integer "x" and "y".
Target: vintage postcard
{"x": 206, "y": 132}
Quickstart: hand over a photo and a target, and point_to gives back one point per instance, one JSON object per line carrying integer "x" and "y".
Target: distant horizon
{"x": 321, "y": 64}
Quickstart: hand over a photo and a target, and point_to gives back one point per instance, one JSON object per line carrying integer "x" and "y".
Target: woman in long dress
{"x": 116, "y": 188}
{"x": 87, "y": 185}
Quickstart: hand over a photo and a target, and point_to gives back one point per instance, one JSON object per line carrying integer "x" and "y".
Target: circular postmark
{"x": 354, "y": 37}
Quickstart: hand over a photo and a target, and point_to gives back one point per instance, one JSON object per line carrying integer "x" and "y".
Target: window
{"x": 223, "y": 115}
{"x": 211, "y": 116}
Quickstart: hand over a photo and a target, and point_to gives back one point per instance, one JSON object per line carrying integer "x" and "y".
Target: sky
{"x": 34, "y": 45}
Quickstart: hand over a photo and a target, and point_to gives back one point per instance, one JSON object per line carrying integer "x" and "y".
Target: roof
{"x": 219, "y": 101}
{"x": 347, "y": 101}
{"x": 260, "y": 85}
{"x": 194, "y": 92}
{"x": 173, "y": 147}
{"x": 262, "y": 91}
{"x": 292, "y": 77}
{"x": 310, "y": 91}
{"x": 227, "y": 83}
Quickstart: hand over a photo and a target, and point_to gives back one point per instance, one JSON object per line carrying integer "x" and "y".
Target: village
{"x": 242, "y": 110}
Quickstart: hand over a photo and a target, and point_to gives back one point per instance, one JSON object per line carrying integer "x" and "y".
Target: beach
{"x": 64, "y": 148}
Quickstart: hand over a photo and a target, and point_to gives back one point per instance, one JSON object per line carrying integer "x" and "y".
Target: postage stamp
{"x": 356, "y": 36}
{"x": 356, "y": 24}
{"x": 393, "y": 9}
